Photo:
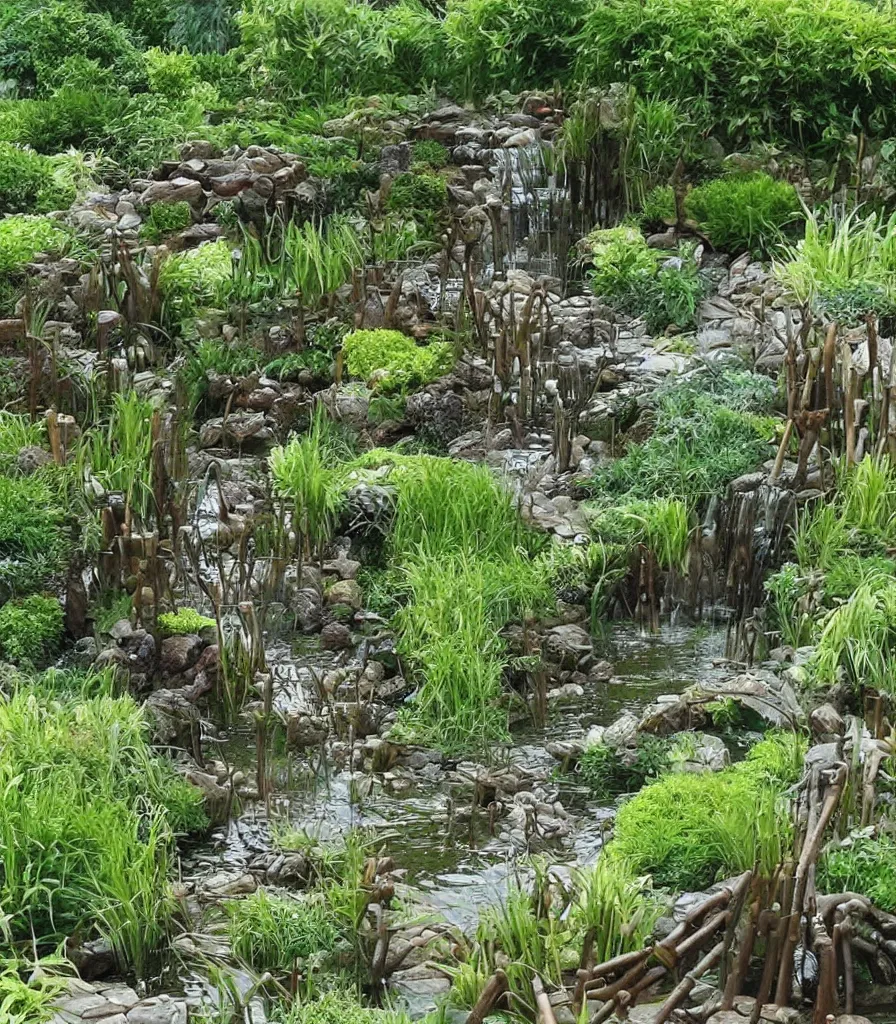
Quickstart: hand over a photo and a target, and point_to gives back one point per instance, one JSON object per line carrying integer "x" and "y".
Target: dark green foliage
{"x": 204, "y": 26}
{"x": 708, "y": 430}
{"x": 511, "y": 44}
{"x": 72, "y": 116}
{"x": 751, "y": 66}
{"x": 429, "y": 153}
{"x": 851, "y": 304}
{"x": 33, "y": 541}
{"x": 26, "y": 182}
{"x": 866, "y": 864}
{"x": 38, "y": 46}
{"x": 165, "y": 219}
{"x": 30, "y": 628}
{"x": 635, "y": 279}
{"x": 324, "y": 49}
{"x": 216, "y": 357}
{"x": 744, "y": 213}
{"x": 608, "y": 772}
{"x": 422, "y": 197}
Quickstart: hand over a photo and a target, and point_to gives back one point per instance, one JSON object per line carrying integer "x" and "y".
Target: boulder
{"x": 346, "y": 592}
{"x": 826, "y": 722}
{"x": 179, "y": 653}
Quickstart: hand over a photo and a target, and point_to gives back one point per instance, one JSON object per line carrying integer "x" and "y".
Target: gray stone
{"x": 179, "y": 653}
{"x": 346, "y": 592}
{"x": 825, "y": 722}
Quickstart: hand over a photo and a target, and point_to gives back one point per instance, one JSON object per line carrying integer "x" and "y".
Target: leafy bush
{"x": 510, "y": 44}
{"x": 165, "y": 219}
{"x": 662, "y": 525}
{"x": 418, "y": 193}
{"x": 30, "y": 628}
{"x": 184, "y": 621}
{"x": 204, "y": 26}
{"x": 324, "y": 49}
{"x": 336, "y": 1007}
{"x": 863, "y": 864}
{"x": 196, "y": 278}
{"x": 170, "y": 73}
{"x": 271, "y": 933}
{"x": 620, "y": 258}
{"x": 33, "y": 541}
{"x": 28, "y": 993}
{"x": 689, "y": 830}
{"x": 37, "y": 46}
{"x": 24, "y": 175}
{"x": 429, "y": 153}
{"x": 749, "y": 66}
{"x": 608, "y": 772}
{"x": 744, "y": 213}
{"x": 630, "y": 275}
{"x": 391, "y": 361}
{"x": 72, "y": 116}
{"x": 708, "y": 430}
{"x": 86, "y": 821}
{"x": 22, "y": 238}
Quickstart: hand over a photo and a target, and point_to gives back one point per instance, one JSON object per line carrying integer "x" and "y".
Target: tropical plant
{"x": 184, "y": 621}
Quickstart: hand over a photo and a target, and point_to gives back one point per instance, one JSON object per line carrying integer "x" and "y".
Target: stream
{"x": 422, "y": 813}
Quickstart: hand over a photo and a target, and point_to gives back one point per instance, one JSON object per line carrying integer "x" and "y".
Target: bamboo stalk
{"x": 681, "y": 990}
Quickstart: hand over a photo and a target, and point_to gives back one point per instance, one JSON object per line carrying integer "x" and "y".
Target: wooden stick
{"x": 494, "y": 989}
{"x": 681, "y": 990}
{"x": 542, "y": 1001}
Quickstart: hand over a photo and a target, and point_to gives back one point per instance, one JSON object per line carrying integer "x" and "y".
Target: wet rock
{"x": 31, "y": 459}
{"x": 346, "y": 592}
{"x": 568, "y": 644}
{"x": 304, "y": 731}
{"x": 93, "y": 960}
{"x": 159, "y": 1010}
{"x": 308, "y": 609}
{"x": 172, "y": 717}
{"x": 826, "y": 723}
{"x": 335, "y": 636}
{"x": 224, "y": 884}
{"x": 179, "y": 653}
{"x": 601, "y": 672}
{"x": 622, "y": 732}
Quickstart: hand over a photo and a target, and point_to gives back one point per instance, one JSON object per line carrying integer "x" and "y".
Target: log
{"x": 542, "y": 1001}
{"x": 681, "y": 990}
{"x": 494, "y": 989}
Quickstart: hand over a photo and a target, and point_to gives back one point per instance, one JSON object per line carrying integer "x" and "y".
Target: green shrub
{"x": 744, "y": 213}
{"x": 196, "y": 278}
{"x": 204, "y": 27}
{"x": 749, "y": 66}
{"x": 708, "y": 430}
{"x": 620, "y": 259}
{"x": 418, "y": 193}
{"x": 86, "y": 822}
{"x": 28, "y": 993}
{"x": 863, "y": 864}
{"x": 495, "y": 45}
{"x": 662, "y": 525}
{"x": 33, "y": 541}
{"x": 689, "y": 830}
{"x": 272, "y": 933}
{"x": 658, "y": 207}
{"x": 165, "y": 219}
{"x": 23, "y": 174}
{"x": 430, "y": 153}
{"x": 22, "y": 238}
{"x": 38, "y": 46}
{"x": 608, "y": 772}
{"x": 391, "y": 361}
{"x": 184, "y": 621}
{"x": 169, "y": 73}
{"x": 72, "y": 116}
{"x": 336, "y": 1007}
{"x": 635, "y": 278}
{"x": 30, "y": 628}
{"x": 325, "y": 49}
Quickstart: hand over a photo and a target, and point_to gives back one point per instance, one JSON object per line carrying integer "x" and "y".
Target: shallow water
{"x": 446, "y": 851}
